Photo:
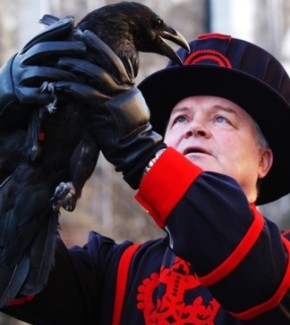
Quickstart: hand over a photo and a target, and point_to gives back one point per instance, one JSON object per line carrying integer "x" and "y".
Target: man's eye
{"x": 221, "y": 119}
{"x": 179, "y": 119}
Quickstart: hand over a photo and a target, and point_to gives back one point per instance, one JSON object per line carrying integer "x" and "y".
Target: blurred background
{"x": 107, "y": 204}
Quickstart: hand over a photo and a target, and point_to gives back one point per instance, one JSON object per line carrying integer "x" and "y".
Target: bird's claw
{"x": 51, "y": 107}
{"x": 50, "y": 87}
{"x": 34, "y": 152}
{"x": 64, "y": 196}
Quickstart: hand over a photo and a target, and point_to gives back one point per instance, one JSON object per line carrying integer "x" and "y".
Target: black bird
{"x": 136, "y": 28}
{"x": 46, "y": 166}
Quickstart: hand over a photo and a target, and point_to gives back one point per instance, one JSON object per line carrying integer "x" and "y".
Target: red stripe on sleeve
{"x": 122, "y": 278}
{"x": 239, "y": 253}
{"x": 165, "y": 184}
{"x": 276, "y": 298}
{"x": 21, "y": 300}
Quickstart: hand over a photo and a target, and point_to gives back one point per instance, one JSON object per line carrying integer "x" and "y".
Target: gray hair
{"x": 261, "y": 140}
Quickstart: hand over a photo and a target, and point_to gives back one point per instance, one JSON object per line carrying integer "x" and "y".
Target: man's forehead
{"x": 209, "y": 102}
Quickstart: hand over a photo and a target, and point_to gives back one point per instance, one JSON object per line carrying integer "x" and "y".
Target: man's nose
{"x": 197, "y": 129}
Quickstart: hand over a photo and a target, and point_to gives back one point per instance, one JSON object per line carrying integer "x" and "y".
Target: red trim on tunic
{"x": 239, "y": 253}
{"x": 165, "y": 184}
{"x": 122, "y": 278}
{"x": 277, "y": 296}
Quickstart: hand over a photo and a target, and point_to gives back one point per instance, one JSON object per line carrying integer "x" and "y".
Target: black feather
{"x": 40, "y": 175}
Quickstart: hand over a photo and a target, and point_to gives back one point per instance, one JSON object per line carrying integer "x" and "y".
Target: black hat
{"x": 219, "y": 65}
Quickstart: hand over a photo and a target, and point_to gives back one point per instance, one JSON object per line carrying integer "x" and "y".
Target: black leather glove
{"x": 22, "y": 76}
{"x": 125, "y": 134}
{"x": 119, "y": 112}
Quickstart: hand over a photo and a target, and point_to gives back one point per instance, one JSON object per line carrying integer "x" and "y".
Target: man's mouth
{"x": 195, "y": 150}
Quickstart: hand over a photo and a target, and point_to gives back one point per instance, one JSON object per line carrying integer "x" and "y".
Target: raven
{"x": 136, "y": 28}
{"x": 46, "y": 166}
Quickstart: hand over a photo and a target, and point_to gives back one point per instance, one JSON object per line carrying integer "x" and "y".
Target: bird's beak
{"x": 176, "y": 38}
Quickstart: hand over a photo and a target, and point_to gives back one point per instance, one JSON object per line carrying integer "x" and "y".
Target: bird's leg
{"x": 34, "y": 134}
{"x": 82, "y": 165}
{"x": 64, "y": 196}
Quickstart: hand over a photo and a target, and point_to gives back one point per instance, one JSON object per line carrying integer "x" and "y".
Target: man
{"x": 226, "y": 113}
{"x": 212, "y": 132}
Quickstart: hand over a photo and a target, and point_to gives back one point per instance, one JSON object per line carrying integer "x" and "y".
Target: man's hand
{"x": 125, "y": 134}
{"x": 22, "y": 76}
{"x": 119, "y": 113}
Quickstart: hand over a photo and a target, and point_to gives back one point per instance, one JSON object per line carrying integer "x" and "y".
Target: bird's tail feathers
{"x": 11, "y": 280}
{"x": 42, "y": 254}
{"x": 28, "y": 274}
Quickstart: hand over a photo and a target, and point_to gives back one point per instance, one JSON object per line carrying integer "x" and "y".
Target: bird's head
{"x": 150, "y": 30}
{"x": 129, "y": 27}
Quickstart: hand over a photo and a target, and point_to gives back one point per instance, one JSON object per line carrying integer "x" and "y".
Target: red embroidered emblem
{"x": 170, "y": 306}
{"x": 208, "y": 55}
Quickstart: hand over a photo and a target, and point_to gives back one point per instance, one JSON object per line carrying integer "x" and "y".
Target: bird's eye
{"x": 159, "y": 22}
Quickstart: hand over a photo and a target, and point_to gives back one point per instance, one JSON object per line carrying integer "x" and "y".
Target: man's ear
{"x": 266, "y": 162}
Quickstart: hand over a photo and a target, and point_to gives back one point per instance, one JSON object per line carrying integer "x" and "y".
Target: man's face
{"x": 219, "y": 136}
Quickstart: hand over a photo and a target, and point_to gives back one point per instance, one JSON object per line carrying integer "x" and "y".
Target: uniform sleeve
{"x": 237, "y": 253}
{"x": 74, "y": 292}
